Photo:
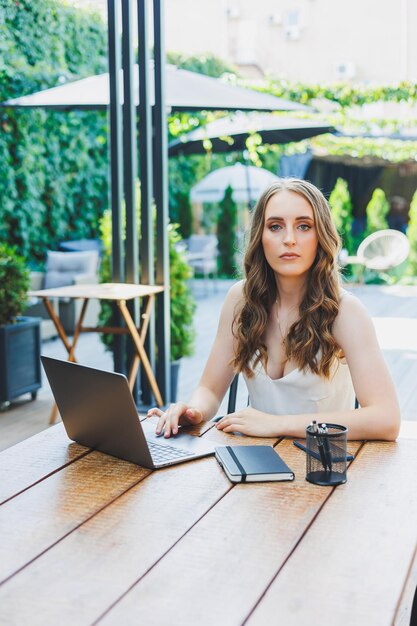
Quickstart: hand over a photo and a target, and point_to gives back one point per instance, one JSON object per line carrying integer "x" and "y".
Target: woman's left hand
{"x": 250, "y": 422}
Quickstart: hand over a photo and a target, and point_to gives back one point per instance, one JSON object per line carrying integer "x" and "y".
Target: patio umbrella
{"x": 247, "y": 182}
{"x": 185, "y": 91}
{"x": 230, "y": 133}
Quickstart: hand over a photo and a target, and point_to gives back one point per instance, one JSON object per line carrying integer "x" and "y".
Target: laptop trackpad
{"x": 183, "y": 439}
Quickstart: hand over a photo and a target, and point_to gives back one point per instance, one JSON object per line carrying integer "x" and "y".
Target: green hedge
{"x": 53, "y": 165}
{"x": 342, "y": 92}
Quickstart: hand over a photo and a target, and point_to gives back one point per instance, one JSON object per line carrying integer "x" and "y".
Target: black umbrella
{"x": 185, "y": 91}
{"x": 230, "y": 133}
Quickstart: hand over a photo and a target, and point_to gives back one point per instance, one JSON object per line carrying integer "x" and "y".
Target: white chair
{"x": 201, "y": 254}
{"x": 380, "y": 251}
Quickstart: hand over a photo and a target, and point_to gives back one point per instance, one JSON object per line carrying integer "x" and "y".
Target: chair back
{"x": 205, "y": 244}
{"x": 63, "y": 268}
{"x": 231, "y": 403}
{"x": 201, "y": 253}
{"x": 81, "y": 245}
{"x": 384, "y": 249}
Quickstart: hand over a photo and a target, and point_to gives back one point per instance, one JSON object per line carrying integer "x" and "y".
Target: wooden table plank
{"x": 222, "y": 566}
{"x": 101, "y": 291}
{"x": 355, "y": 557}
{"x": 408, "y": 600}
{"x": 32, "y": 460}
{"x": 86, "y": 572}
{"x": 56, "y": 506}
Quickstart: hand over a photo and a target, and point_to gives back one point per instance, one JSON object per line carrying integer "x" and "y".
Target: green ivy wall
{"x": 53, "y": 165}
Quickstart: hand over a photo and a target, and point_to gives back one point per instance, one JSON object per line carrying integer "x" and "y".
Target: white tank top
{"x": 299, "y": 392}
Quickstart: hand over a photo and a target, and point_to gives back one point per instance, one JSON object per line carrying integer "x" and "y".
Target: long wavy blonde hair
{"x": 309, "y": 342}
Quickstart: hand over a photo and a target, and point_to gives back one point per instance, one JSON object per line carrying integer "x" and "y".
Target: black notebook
{"x": 252, "y": 464}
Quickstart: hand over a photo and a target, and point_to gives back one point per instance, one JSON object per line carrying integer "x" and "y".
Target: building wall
{"x": 309, "y": 40}
{"x": 314, "y": 40}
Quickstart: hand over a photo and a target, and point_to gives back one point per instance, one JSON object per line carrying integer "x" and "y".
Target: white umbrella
{"x": 185, "y": 91}
{"x": 247, "y": 182}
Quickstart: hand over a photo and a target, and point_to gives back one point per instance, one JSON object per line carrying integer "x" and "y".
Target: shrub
{"x": 412, "y": 237}
{"x": 14, "y": 284}
{"x": 376, "y": 212}
{"x": 185, "y": 215}
{"x": 182, "y": 302}
{"x": 341, "y": 208}
{"x": 226, "y": 233}
{"x": 207, "y": 64}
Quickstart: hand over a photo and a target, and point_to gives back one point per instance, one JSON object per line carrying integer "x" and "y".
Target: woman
{"x": 305, "y": 346}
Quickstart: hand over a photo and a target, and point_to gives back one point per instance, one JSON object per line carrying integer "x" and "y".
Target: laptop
{"x": 98, "y": 411}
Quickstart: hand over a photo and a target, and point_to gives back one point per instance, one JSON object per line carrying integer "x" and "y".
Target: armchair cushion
{"x": 81, "y": 245}
{"x": 62, "y": 268}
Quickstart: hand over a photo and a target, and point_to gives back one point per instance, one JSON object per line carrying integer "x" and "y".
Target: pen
{"x": 326, "y": 447}
{"x": 335, "y": 459}
{"x": 320, "y": 445}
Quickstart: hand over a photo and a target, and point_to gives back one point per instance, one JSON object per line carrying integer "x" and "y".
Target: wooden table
{"x": 118, "y": 293}
{"x": 86, "y": 537}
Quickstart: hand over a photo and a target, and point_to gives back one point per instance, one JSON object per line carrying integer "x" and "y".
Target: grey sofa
{"x": 66, "y": 268}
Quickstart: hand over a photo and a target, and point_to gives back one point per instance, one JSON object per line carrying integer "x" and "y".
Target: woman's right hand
{"x": 175, "y": 415}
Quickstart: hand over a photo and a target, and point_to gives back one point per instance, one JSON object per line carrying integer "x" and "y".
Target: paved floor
{"x": 393, "y": 309}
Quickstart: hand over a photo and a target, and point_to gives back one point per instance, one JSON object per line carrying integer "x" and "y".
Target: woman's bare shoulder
{"x": 236, "y": 290}
{"x": 349, "y": 303}
{"x": 352, "y": 316}
{"x": 234, "y": 300}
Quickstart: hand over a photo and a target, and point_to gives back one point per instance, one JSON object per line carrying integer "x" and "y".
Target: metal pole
{"x": 116, "y": 176}
{"x": 246, "y": 165}
{"x": 147, "y": 274}
{"x": 129, "y": 146}
{"x": 130, "y": 162}
{"x": 160, "y": 186}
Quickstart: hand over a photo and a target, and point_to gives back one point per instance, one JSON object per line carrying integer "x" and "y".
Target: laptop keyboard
{"x": 162, "y": 454}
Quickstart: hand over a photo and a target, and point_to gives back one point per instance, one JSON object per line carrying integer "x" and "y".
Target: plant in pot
{"x": 20, "y": 343}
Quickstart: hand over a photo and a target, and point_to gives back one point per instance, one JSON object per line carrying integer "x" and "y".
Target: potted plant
{"x": 20, "y": 370}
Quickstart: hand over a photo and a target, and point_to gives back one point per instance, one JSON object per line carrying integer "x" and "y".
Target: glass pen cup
{"x": 326, "y": 454}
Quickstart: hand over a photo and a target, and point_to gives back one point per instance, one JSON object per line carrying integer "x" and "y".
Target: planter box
{"x": 20, "y": 366}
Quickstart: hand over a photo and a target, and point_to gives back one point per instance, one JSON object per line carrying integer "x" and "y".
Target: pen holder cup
{"x": 326, "y": 455}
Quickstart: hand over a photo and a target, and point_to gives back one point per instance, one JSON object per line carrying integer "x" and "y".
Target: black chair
{"x": 231, "y": 403}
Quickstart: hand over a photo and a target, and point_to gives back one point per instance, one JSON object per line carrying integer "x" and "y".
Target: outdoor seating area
{"x": 208, "y": 314}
